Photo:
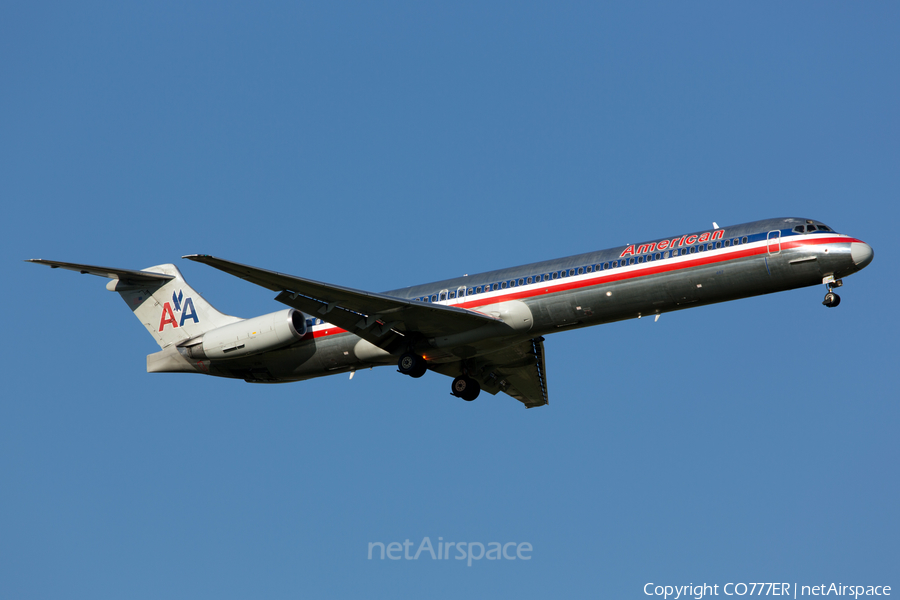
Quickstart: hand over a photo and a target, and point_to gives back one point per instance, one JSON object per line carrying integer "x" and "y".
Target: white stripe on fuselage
{"x": 598, "y": 277}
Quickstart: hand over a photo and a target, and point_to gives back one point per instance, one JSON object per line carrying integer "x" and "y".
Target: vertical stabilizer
{"x": 169, "y": 308}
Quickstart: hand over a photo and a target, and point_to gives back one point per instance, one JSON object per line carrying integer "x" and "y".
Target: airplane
{"x": 486, "y": 331}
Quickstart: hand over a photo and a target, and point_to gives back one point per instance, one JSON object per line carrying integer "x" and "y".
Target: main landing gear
{"x": 412, "y": 365}
{"x": 831, "y": 299}
{"x": 415, "y": 366}
{"x": 465, "y": 388}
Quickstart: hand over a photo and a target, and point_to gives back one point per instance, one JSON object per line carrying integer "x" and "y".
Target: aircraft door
{"x": 774, "y": 242}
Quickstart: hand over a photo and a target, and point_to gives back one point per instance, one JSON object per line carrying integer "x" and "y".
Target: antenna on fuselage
{"x": 715, "y": 226}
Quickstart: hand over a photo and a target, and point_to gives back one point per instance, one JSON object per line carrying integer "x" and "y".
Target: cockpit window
{"x": 825, "y": 228}
{"x": 810, "y": 228}
{"x": 799, "y": 228}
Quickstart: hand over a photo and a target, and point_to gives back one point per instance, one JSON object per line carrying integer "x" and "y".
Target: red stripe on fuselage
{"x": 612, "y": 275}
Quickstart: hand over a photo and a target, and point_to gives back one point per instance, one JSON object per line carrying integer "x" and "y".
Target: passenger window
{"x": 434, "y": 298}
{"x": 554, "y": 275}
{"x": 658, "y": 256}
{"x": 727, "y": 243}
{"x": 744, "y": 240}
{"x": 522, "y": 282}
{"x": 718, "y": 244}
{"x": 736, "y": 241}
{"x": 580, "y": 270}
{"x": 470, "y": 291}
{"x": 451, "y": 295}
{"x": 693, "y": 250}
{"x": 502, "y": 285}
{"x": 443, "y": 295}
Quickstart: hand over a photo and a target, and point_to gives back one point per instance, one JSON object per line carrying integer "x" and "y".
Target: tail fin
{"x": 170, "y": 310}
{"x": 160, "y": 297}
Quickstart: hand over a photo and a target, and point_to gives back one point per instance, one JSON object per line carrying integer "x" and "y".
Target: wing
{"x": 516, "y": 370}
{"x": 377, "y": 318}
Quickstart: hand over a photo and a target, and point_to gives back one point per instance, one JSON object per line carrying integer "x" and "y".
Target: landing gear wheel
{"x": 412, "y": 365}
{"x": 831, "y": 300}
{"x": 465, "y": 388}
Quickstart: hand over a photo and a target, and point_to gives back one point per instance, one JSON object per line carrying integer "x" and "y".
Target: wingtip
{"x": 41, "y": 261}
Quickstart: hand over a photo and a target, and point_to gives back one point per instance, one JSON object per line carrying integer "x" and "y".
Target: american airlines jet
{"x": 485, "y": 331}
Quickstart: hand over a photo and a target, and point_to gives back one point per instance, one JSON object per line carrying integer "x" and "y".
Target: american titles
{"x": 685, "y": 240}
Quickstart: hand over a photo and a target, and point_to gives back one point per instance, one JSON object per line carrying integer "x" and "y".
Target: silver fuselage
{"x": 627, "y": 282}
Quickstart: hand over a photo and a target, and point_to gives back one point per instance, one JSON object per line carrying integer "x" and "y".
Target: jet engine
{"x": 248, "y": 337}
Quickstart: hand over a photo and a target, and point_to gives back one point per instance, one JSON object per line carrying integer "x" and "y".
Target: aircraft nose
{"x": 861, "y": 253}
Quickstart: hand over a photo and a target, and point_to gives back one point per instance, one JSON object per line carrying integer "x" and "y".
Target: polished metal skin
{"x": 485, "y": 330}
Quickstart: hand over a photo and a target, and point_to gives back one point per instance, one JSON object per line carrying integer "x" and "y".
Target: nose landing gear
{"x": 831, "y": 299}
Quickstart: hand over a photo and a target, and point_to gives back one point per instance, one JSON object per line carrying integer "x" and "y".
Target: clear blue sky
{"x": 378, "y": 145}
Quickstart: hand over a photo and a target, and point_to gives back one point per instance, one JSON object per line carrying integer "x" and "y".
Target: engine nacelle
{"x": 248, "y": 337}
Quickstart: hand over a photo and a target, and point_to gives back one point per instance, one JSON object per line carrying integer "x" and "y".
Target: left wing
{"x": 377, "y": 318}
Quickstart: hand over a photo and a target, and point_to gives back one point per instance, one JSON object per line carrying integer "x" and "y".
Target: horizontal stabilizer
{"x": 160, "y": 298}
{"x": 124, "y": 275}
